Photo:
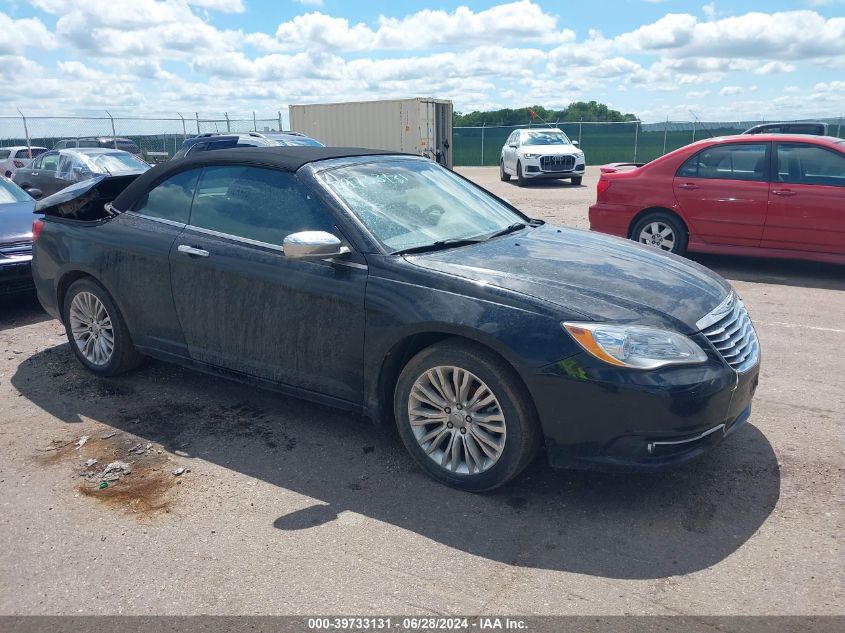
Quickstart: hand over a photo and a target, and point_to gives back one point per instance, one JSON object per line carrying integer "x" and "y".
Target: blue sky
{"x": 654, "y": 58}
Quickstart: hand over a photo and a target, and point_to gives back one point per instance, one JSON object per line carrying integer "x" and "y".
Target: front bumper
{"x": 533, "y": 169}
{"x": 598, "y": 417}
{"x": 16, "y": 275}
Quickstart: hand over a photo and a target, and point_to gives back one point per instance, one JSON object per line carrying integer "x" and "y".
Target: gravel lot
{"x": 292, "y": 508}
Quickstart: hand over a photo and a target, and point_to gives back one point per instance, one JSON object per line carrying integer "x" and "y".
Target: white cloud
{"x": 515, "y": 52}
{"x": 310, "y": 3}
{"x": 516, "y": 21}
{"x": 23, "y": 34}
{"x": 225, "y": 6}
{"x": 168, "y": 29}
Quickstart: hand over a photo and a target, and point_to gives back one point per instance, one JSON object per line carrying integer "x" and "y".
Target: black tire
{"x": 8, "y": 174}
{"x": 522, "y": 437}
{"x": 503, "y": 175}
{"x": 124, "y": 356}
{"x": 521, "y": 180}
{"x": 677, "y": 226}
{"x": 576, "y": 180}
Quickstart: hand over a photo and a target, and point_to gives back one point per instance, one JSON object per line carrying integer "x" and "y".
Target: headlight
{"x": 578, "y": 154}
{"x": 634, "y": 346}
{"x": 531, "y": 155}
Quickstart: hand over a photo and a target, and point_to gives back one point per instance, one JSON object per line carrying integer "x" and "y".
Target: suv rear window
{"x": 89, "y": 144}
{"x": 4, "y": 153}
{"x": 22, "y": 153}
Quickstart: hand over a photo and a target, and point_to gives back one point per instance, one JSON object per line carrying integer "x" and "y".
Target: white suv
{"x": 11, "y": 158}
{"x": 541, "y": 153}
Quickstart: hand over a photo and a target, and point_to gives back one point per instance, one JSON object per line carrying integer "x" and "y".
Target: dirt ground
{"x": 286, "y": 507}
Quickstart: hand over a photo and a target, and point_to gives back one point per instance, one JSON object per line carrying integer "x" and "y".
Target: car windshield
{"x": 112, "y": 162}
{"x": 414, "y": 203}
{"x": 545, "y": 138}
{"x": 10, "y": 192}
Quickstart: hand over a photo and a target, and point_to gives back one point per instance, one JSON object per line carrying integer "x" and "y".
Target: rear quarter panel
{"x": 128, "y": 255}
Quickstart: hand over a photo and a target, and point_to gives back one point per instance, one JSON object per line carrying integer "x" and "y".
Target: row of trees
{"x": 577, "y": 111}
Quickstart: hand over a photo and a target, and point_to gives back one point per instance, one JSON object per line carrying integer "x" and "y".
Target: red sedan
{"x": 770, "y": 195}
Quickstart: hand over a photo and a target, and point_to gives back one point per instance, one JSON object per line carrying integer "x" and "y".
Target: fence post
{"x": 482, "y": 143}
{"x": 26, "y": 133}
{"x": 839, "y": 127}
{"x": 580, "y": 123}
{"x": 280, "y": 120}
{"x": 693, "y": 130}
{"x": 665, "y": 133}
{"x": 184, "y": 129}
{"x": 228, "y": 126}
{"x": 113, "y": 134}
{"x": 636, "y": 138}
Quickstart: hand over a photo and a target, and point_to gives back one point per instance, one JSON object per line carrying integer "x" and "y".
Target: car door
{"x": 246, "y": 307}
{"x": 723, "y": 192}
{"x": 140, "y": 277}
{"x": 44, "y": 174}
{"x": 506, "y": 152}
{"x": 807, "y": 199}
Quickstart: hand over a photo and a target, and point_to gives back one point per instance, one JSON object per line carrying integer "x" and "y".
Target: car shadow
{"x": 782, "y": 272}
{"x": 617, "y": 526}
{"x": 19, "y": 309}
{"x": 547, "y": 184}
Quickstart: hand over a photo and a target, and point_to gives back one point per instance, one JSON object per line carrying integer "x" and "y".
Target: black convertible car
{"x": 388, "y": 285}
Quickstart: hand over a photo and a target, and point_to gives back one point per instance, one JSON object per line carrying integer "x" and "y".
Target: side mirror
{"x": 35, "y": 193}
{"x": 313, "y": 245}
{"x": 514, "y": 145}
{"x": 576, "y": 143}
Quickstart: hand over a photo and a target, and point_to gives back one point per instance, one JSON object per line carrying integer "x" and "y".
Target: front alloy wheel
{"x": 457, "y": 420}
{"x": 465, "y": 416}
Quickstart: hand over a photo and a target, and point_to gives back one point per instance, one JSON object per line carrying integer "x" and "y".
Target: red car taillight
{"x": 602, "y": 186}
{"x": 18, "y": 163}
{"x": 37, "y": 225}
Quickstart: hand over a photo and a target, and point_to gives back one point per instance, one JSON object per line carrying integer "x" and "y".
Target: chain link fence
{"x": 630, "y": 141}
{"x": 160, "y": 138}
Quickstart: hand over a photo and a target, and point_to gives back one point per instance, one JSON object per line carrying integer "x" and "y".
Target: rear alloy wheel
{"x": 96, "y": 331}
{"x": 661, "y": 230}
{"x": 520, "y": 179}
{"x": 503, "y": 175}
{"x": 463, "y": 415}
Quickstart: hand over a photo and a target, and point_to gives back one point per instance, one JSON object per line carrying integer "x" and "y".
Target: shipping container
{"x": 415, "y": 126}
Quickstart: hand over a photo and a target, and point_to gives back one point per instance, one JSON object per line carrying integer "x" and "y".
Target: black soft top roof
{"x": 289, "y": 158}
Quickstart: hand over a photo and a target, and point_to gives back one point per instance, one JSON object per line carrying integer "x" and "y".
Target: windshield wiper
{"x": 453, "y": 242}
{"x": 509, "y": 229}
{"x": 438, "y": 245}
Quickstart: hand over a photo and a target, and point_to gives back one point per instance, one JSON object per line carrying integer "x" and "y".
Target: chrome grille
{"x": 15, "y": 249}
{"x": 731, "y": 332}
{"x": 557, "y": 163}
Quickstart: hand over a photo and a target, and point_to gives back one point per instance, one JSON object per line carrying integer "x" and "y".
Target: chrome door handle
{"x": 689, "y": 186}
{"x": 190, "y": 250}
{"x": 783, "y": 192}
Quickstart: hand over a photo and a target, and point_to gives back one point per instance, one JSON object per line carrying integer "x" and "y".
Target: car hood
{"x": 16, "y": 221}
{"x": 590, "y": 276}
{"x": 549, "y": 150}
